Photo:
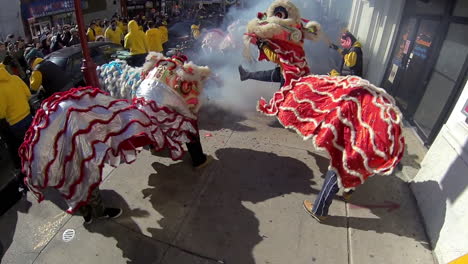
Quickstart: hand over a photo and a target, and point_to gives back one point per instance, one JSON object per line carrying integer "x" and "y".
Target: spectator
{"x": 45, "y": 45}
{"x": 66, "y": 35}
{"x": 99, "y": 28}
{"x": 106, "y": 25}
{"x": 14, "y": 107}
{"x": 92, "y": 32}
{"x": 351, "y": 62}
{"x": 154, "y": 36}
{"x": 113, "y": 33}
{"x": 137, "y": 43}
{"x": 56, "y": 41}
{"x": 34, "y": 51}
{"x": 75, "y": 39}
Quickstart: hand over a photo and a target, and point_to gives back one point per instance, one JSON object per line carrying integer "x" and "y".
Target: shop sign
{"x": 50, "y": 7}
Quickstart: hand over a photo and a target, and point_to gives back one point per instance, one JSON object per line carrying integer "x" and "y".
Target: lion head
{"x": 282, "y": 21}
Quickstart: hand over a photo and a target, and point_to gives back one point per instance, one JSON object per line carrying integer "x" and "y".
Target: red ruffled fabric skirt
{"x": 356, "y": 123}
{"x": 76, "y": 132}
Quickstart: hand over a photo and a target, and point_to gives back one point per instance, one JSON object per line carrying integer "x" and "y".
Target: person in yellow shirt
{"x": 154, "y": 36}
{"x": 136, "y": 42}
{"x": 113, "y": 33}
{"x": 14, "y": 107}
{"x": 91, "y": 33}
{"x": 99, "y": 28}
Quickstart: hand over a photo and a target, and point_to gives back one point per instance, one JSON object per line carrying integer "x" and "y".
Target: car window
{"x": 59, "y": 61}
{"x": 74, "y": 64}
{"x": 105, "y": 53}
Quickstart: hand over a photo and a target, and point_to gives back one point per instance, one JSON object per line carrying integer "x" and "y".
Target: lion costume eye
{"x": 281, "y": 12}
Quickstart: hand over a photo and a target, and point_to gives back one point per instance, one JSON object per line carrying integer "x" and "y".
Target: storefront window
{"x": 448, "y": 68}
{"x": 461, "y": 8}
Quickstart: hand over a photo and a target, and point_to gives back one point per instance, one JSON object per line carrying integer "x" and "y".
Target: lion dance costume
{"x": 76, "y": 132}
{"x": 356, "y": 123}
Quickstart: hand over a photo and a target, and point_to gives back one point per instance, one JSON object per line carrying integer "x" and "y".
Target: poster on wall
{"x": 393, "y": 73}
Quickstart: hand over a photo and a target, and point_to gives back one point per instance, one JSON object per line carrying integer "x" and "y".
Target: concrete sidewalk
{"x": 244, "y": 208}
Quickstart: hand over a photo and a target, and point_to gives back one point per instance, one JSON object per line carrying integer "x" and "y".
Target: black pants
{"x": 273, "y": 75}
{"x": 18, "y": 131}
{"x": 195, "y": 150}
{"x": 137, "y": 60}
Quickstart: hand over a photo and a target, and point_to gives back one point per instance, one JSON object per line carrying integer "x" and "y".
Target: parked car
{"x": 70, "y": 59}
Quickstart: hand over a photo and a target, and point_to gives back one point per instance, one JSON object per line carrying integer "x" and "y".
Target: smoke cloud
{"x": 234, "y": 95}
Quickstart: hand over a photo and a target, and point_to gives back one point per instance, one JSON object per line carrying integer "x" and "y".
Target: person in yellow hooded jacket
{"x": 137, "y": 43}
{"x": 154, "y": 36}
{"x": 14, "y": 107}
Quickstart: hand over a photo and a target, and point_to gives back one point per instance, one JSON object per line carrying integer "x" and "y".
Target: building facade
{"x": 10, "y": 19}
{"x": 417, "y": 50}
{"x": 41, "y": 15}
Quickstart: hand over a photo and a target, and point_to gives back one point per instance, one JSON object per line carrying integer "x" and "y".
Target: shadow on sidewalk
{"x": 8, "y": 224}
{"x": 405, "y": 221}
{"x": 221, "y": 225}
{"x": 214, "y": 117}
{"x": 136, "y": 250}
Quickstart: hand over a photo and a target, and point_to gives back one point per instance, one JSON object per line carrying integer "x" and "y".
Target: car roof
{"x": 68, "y": 51}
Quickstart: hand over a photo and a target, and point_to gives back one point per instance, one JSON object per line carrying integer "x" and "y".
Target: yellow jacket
{"x": 271, "y": 55}
{"x": 114, "y": 36}
{"x": 165, "y": 34}
{"x": 135, "y": 40}
{"x": 91, "y": 34}
{"x": 99, "y": 31}
{"x": 350, "y": 58}
{"x": 14, "y": 96}
{"x": 195, "y": 31}
{"x": 35, "y": 81}
{"x": 154, "y": 37}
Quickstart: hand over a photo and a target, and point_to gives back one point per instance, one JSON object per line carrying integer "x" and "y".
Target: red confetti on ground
{"x": 208, "y": 135}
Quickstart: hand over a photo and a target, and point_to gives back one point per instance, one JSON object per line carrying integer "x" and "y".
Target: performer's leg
{"x": 199, "y": 159}
{"x": 95, "y": 208}
{"x": 265, "y": 76}
{"x": 196, "y": 152}
{"x": 319, "y": 210}
{"x": 325, "y": 197}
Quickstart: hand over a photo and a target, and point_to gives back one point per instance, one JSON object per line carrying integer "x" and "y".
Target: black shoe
{"x": 244, "y": 75}
{"x": 112, "y": 213}
{"x": 88, "y": 219}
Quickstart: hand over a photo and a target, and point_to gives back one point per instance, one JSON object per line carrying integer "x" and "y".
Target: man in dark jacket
{"x": 351, "y": 62}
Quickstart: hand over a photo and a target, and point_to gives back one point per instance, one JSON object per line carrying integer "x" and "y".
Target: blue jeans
{"x": 325, "y": 197}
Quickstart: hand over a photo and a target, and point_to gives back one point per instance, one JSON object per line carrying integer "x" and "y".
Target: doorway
{"x": 428, "y": 66}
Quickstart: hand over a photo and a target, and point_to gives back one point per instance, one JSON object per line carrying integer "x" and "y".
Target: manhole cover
{"x": 68, "y": 235}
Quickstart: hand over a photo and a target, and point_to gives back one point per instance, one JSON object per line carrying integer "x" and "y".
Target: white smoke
{"x": 242, "y": 96}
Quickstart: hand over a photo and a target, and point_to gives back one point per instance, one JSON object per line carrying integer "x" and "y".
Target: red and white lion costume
{"x": 355, "y": 122}
{"x": 76, "y": 132}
